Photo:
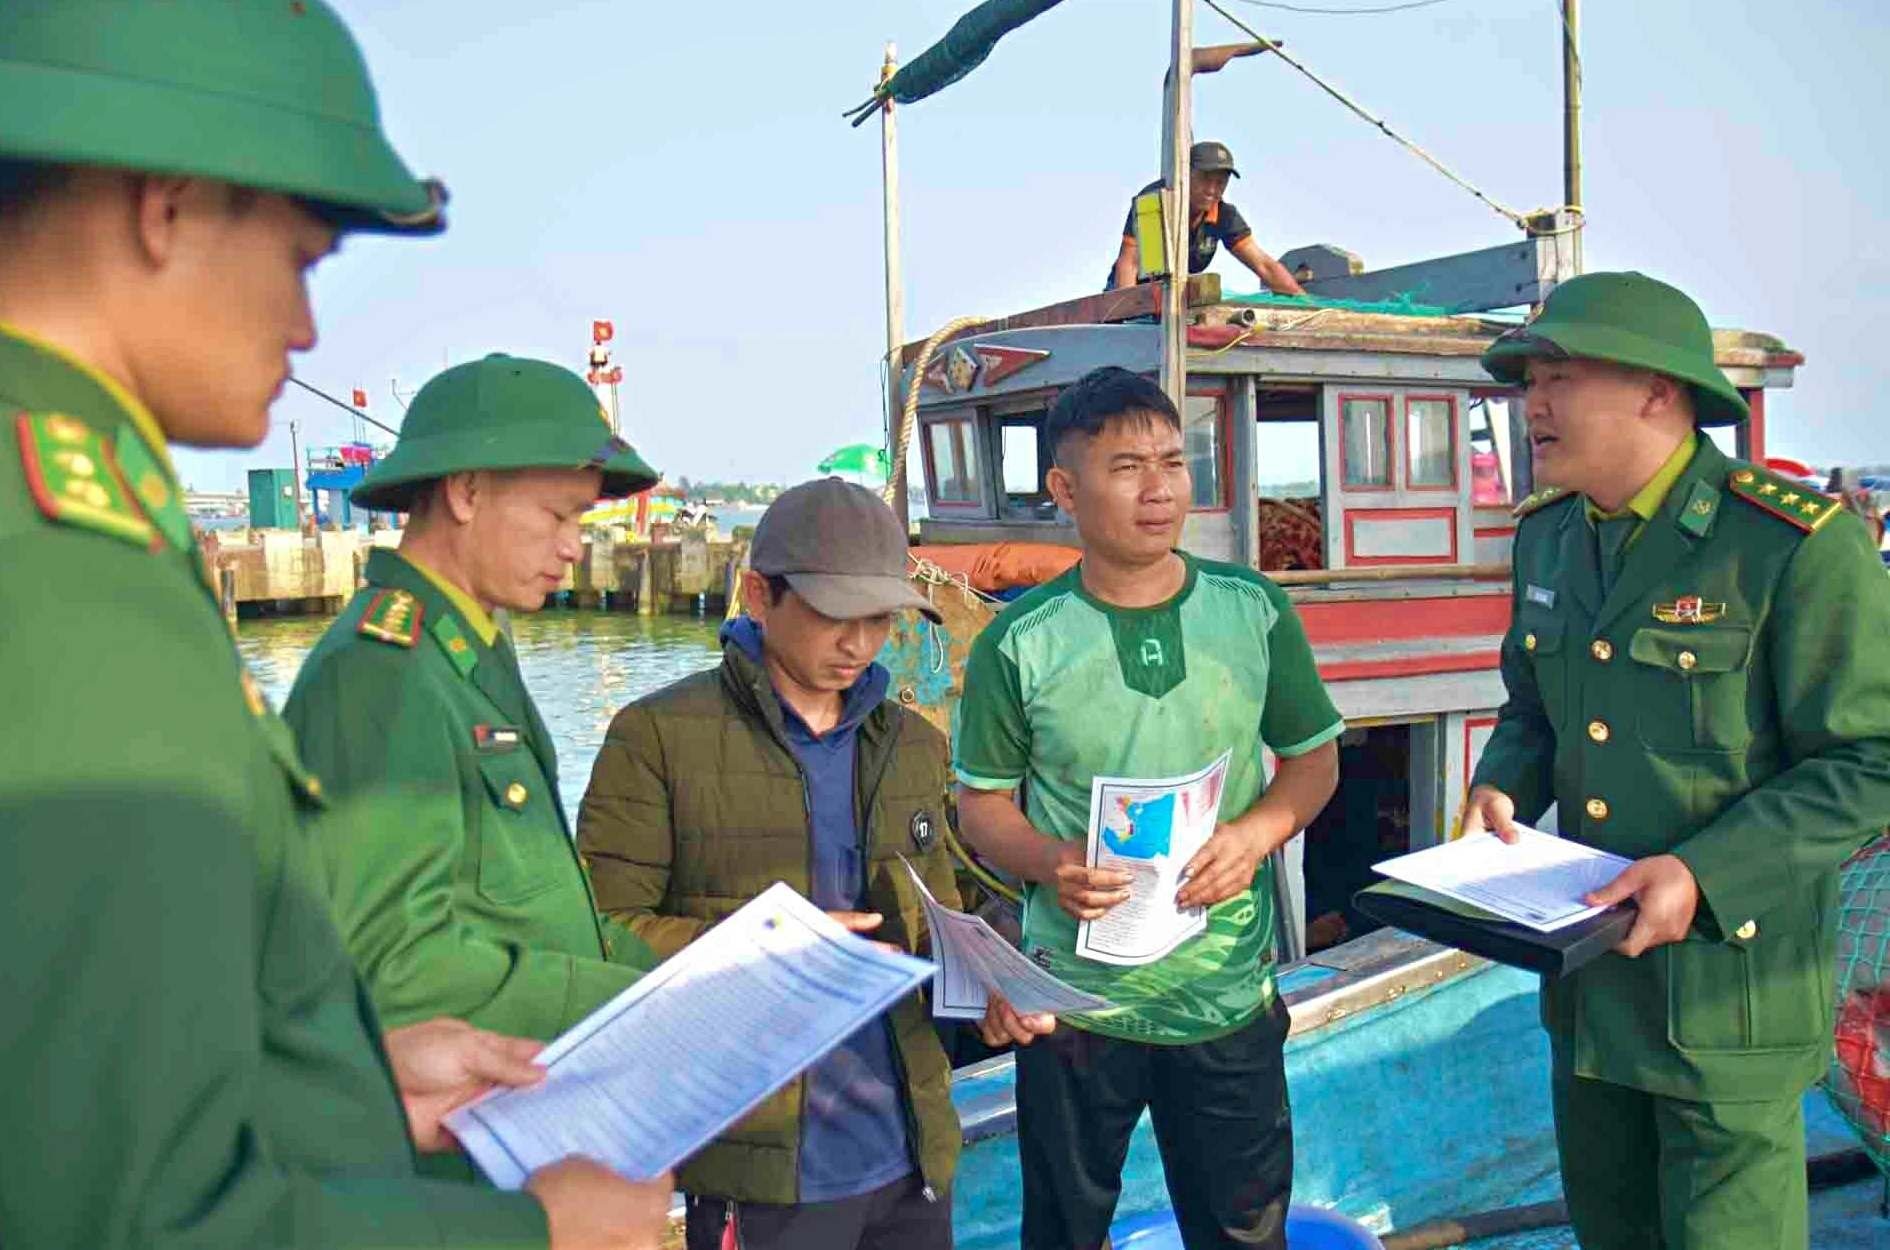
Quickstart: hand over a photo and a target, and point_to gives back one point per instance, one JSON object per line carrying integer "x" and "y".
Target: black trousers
{"x": 893, "y": 1217}
{"x": 1221, "y": 1120}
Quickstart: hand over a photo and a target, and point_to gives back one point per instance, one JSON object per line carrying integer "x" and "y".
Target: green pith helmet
{"x": 1630, "y": 319}
{"x": 270, "y": 94}
{"x": 503, "y": 412}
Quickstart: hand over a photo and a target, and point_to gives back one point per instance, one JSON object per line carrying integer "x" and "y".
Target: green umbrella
{"x": 867, "y": 459}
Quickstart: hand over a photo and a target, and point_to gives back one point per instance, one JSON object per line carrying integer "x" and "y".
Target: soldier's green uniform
{"x": 475, "y": 906}
{"x": 186, "y": 1056}
{"x": 1725, "y": 699}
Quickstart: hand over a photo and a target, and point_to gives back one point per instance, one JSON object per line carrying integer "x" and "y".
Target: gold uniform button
{"x": 1528, "y": 642}
{"x": 1747, "y": 931}
{"x": 1687, "y": 661}
{"x": 1597, "y": 809}
{"x": 1601, "y": 649}
{"x": 1598, "y": 730}
{"x": 515, "y": 794}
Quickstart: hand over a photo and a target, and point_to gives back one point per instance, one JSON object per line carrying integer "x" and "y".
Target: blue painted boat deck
{"x": 1434, "y": 1103}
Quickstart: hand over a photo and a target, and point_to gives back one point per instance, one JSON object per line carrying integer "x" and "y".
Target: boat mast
{"x": 895, "y": 289}
{"x": 1572, "y": 122}
{"x": 1177, "y": 136}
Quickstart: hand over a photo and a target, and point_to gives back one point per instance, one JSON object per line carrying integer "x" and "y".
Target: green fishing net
{"x": 1859, "y": 1079}
{"x": 1403, "y": 304}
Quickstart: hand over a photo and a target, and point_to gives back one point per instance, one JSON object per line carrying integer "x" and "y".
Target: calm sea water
{"x": 581, "y": 668}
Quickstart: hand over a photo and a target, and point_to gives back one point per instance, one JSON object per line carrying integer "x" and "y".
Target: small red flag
{"x": 602, "y": 331}
{"x": 360, "y": 398}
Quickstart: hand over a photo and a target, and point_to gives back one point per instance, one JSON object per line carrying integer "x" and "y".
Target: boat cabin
{"x": 1356, "y": 453}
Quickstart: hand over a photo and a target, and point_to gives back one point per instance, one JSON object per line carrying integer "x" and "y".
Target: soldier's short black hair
{"x": 1101, "y": 398}
{"x": 22, "y": 182}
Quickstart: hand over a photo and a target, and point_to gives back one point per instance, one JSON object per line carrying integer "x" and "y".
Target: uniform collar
{"x": 91, "y": 402}
{"x": 1648, "y": 499}
{"x": 477, "y": 618}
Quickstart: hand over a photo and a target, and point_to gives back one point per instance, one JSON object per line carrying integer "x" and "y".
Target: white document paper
{"x": 974, "y": 961}
{"x": 650, "y": 1077}
{"x": 1149, "y": 828}
{"x": 1539, "y": 882}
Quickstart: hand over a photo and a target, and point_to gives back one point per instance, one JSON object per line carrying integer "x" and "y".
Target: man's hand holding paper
{"x": 1088, "y": 893}
{"x": 1661, "y": 887}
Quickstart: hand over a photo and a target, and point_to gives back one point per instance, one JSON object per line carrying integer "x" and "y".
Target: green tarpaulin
{"x": 962, "y": 50}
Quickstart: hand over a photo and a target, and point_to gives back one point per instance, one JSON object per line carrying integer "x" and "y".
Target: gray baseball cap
{"x": 1209, "y": 157}
{"x": 840, "y": 548}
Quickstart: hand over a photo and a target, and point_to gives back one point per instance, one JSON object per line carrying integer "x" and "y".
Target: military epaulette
{"x": 1538, "y": 501}
{"x": 393, "y": 616}
{"x": 74, "y": 479}
{"x": 1785, "y": 499}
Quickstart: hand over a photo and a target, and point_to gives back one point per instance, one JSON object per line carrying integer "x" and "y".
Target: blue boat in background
{"x": 1420, "y": 1085}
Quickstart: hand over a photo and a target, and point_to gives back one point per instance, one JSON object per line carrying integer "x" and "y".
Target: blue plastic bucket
{"x": 1307, "y": 1228}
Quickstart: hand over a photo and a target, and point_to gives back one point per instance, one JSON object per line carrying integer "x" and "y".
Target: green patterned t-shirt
{"x": 1063, "y": 688}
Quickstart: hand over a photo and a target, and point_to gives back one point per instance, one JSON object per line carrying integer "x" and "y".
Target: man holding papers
{"x": 190, "y": 1059}
{"x": 1145, "y": 665}
{"x": 474, "y": 903}
{"x": 1697, "y": 678}
{"x": 787, "y": 763}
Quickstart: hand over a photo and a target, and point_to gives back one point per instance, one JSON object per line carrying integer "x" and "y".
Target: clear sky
{"x": 683, "y": 170}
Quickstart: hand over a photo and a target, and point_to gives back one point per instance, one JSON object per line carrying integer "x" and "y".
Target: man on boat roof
{"x": 1695, "y": 679}
{"x": 1212, "y": 221}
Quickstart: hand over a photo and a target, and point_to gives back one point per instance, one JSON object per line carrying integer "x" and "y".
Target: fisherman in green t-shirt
{"x": 1143, "y": 661}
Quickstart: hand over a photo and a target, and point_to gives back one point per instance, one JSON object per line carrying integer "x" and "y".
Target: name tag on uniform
{"x": 495, "y": 737}
{"x": 1539, "y": 594}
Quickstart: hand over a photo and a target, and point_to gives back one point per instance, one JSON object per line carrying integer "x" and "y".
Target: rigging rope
{"x": 1520, "y": 221}
{"x": 910, "y": 417}
{"x": 1300, "y": 8}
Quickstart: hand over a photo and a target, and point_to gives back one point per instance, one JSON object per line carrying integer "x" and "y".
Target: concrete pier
{"x": 283, "y": 573}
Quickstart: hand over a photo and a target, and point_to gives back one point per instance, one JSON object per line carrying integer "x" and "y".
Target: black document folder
{"x": 1443, "y": 920}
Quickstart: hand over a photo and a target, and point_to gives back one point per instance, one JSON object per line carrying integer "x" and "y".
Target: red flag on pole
{"x": 360, "y": 398}
{"x": 602, "y": 331}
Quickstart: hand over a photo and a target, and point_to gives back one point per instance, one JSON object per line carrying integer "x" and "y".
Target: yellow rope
{"x": 909, "y": 421}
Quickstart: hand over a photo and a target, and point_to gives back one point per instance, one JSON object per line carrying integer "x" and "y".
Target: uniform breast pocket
{"x": 1542, "y": 642}
{"x": 520, "y": 850}
{"x": 1694, "y": 695}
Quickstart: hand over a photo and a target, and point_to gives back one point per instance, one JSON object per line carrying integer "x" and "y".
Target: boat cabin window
{"x": 1023, "y": 461}
{"x": 1499, "y": 450}
{"x": 1365, "y": 427}
{"x": 1205, "y": 448}
{"x": 1288, "y": 459}
{"x": 1430, "y": 442}
{"x": 953, "y": 463}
